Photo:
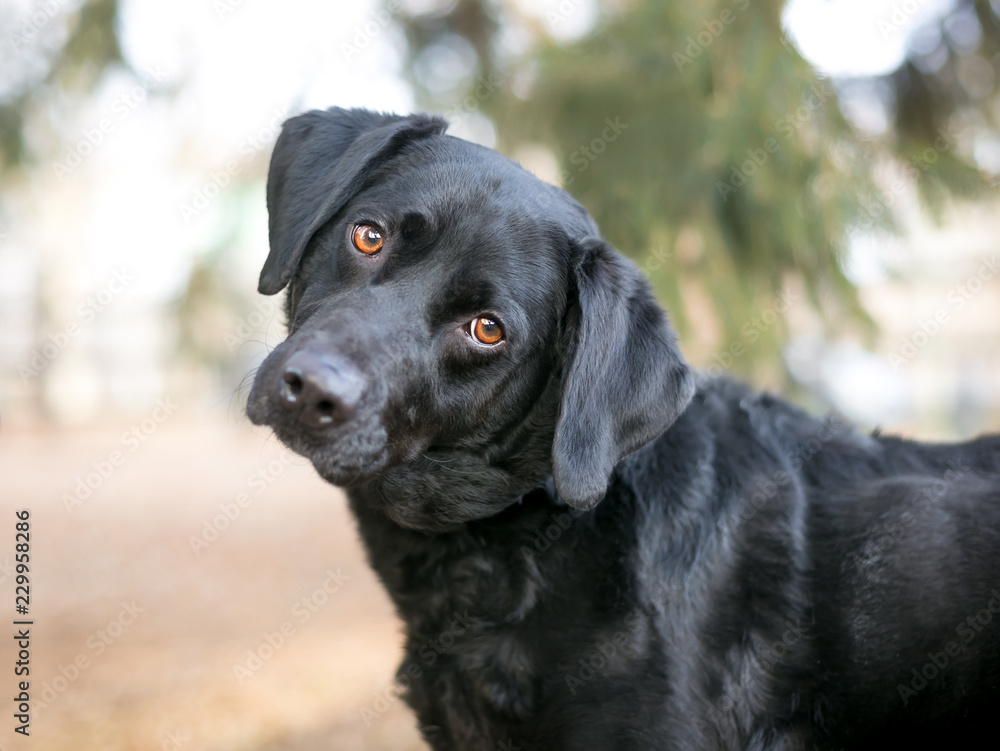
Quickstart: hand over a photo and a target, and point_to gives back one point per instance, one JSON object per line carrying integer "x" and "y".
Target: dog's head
{"x": 458, "y": 332}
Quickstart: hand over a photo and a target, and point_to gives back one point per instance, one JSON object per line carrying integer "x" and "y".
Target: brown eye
{"x": 367, "y": 239}
{"x": 486, "y": 331}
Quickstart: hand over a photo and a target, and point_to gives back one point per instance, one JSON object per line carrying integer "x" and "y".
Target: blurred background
{"x": 811, "y": 186}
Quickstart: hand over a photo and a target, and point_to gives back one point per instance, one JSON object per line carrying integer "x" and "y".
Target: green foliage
{"x": 734, "y": 175}
{"x": 73, "y": 68}
{"x": 723, "y": 149}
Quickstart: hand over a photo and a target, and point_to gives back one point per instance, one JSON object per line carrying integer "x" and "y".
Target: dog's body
{"x": 588, "y": 551}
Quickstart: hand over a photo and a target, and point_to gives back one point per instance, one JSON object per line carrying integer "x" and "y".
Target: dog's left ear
{"x": 321, "y": 160}
{"x": 626, "y": 380}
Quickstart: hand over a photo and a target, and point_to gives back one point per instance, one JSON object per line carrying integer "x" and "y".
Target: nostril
{"x": 324, "y": 410}
{"x": 293, "y": 385}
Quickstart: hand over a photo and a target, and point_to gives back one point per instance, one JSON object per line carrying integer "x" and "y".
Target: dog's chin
{"x": 346, "y": 472}
{"x": 339, "y": 464}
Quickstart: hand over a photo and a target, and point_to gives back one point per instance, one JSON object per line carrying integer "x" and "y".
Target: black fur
{"x": 589, "y": 552}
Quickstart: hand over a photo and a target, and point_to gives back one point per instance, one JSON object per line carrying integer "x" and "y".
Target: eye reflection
{"x": 486, "y": 331}
{"x": 367, "y": 238}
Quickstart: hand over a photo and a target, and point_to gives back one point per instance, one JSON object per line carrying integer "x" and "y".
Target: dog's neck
{"x": 411, "y": 563}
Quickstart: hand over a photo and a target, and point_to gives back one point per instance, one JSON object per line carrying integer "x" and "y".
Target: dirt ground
{"x": 208, "y": 594}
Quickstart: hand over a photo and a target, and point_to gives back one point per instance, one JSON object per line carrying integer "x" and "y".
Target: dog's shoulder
{"x": 757, "y": 428}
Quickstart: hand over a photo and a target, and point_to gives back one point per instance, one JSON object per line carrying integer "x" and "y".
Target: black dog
{"x": 635, "y": 562}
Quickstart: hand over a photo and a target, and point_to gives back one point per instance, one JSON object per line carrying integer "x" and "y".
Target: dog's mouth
{"x": 347, "y": 456}
{"x": 350, "y": 457}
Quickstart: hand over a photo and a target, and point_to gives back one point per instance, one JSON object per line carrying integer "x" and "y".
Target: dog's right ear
{"x": 321, "y": 160}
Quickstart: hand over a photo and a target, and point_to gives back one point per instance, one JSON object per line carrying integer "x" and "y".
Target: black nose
{"x": 321, "y": 389}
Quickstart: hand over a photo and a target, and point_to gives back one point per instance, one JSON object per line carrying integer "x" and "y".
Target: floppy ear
{"x": 321, "y": 160}
{"x": 626, "y": 381}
